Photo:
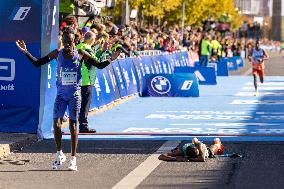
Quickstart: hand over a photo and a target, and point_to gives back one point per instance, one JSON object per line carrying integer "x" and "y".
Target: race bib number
{"x": 69, "y": 78}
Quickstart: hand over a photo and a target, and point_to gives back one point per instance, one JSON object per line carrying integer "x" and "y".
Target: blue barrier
{"x": 103, "y": 88}
{"x": 239, "y": 60}
{"x": 205, "y": 75}
{"x": 129, "y": 75}
{"x": 25, "y": 88}
{"x": 140, "y": 72}
{"x": 165, "y": 65}
{"x": 222, "y": 68}
{"x": 170, "y": 85}
{"x": 148, "y": 65}
{"x": 232, "y": 64}
{"x": 177, "y": 60}
{"x": 170, "y": 62}
{"x": 119, "y": 79}
{"x": 184, "y": 58}
{"x": 161, "y": 64}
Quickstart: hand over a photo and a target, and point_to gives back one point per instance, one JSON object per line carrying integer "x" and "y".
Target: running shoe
{"x": 256, "y": 93}
{"x": 59, "y": 160}
{"x": 86, "y": 129}
{"x": 73, "y": 164}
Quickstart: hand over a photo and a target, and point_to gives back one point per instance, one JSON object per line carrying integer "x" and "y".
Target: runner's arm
{"x": 91, "y": 60}
{"x": 36, "y": 62}
{"x": 265, "y": 55}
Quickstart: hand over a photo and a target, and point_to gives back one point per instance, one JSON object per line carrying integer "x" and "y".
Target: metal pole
{"x": 182, "y": 18}
{"x": 127, "y": 12}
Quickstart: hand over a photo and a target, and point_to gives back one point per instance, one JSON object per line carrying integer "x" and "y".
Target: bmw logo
{"x": 160, "y": 85}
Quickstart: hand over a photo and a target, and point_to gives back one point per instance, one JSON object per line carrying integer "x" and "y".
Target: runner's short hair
{"x": 191, "y": 151}
{"x": 68, "y": 30}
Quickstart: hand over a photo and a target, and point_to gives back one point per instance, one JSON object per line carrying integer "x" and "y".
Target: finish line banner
{"x": 170, "y": 85}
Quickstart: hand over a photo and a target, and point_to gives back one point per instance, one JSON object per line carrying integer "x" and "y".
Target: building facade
{"x": 266, "y": 11}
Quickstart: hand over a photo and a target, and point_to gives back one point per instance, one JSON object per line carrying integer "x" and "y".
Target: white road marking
{"x": 203, "y": 112}
{"x": 227, "y": 124}
{"x": 135, "y": 177}
{"x": 261, "y": 94}
{"x": 265, "y": 88}
{"x": 262, "y": 102}
{"x": 240, "y": 129}
{"x": 271, "y": 83}
{"x": 272, "y": 113}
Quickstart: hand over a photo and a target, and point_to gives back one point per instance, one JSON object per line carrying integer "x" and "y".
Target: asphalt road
{"x": 106, "y": 164}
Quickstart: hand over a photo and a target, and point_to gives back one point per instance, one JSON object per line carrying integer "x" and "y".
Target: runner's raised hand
{"x": 21, "y": 45}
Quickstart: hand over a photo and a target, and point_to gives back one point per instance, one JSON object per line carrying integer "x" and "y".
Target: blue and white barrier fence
{"x": 27, "y": 93}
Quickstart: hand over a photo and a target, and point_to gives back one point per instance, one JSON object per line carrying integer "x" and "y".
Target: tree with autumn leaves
{"x": 196, "y": 11}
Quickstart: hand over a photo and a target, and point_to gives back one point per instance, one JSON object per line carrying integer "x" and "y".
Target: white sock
{"x": 59, "y": 152}
{"x": 73, "y": 158}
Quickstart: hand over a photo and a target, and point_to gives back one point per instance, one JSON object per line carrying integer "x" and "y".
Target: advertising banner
{"x": 158, "y": 64}
{"x": 119, "y": 79}
{"x": 184, "y": 58}
{"x": 170, "y": 61}
{"x": 49, "y": 42}
{"x": 232, "y": 64}
{"x": 205, "y": 75}
{"x": 148, "y": 65}
{"x": 170, "y": 85}
{"x": 129, "y": 75}
{"x": 166, "y": 67}
{"x": 19, "y": 79}
{"x": 240, "y": 61}
{"x": 140, "y": 72}
{"x": 105, "y": 89}
{"x": 222, "y": 67}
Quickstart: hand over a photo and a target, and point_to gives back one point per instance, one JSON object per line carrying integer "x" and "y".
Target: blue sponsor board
{"x": 177, "y": 60}
{"x": 129, "y": 76}
{"x": 165, "y": 65}
{"x": 205, "y": 75}
{"x": 35, "y": 22}
{"x": 222, "y": 67}
{"x": 184, "y": 58}
{"x": 19, "y": 89}
{"x": 158, "y": 64}
{"x": 20, "y": 20}
{"x": 104, "y": 91}
{"x": 115, "y": 88}
{"x": 149, "y": 66}
{"x": 239, "y": 60}
{"x": 119, "y": 79}
{"x": 232, "y": 64}
{"x": 170, "y": 85}
{"x": 49, "y": 42}
{"x": 140, "y": 72}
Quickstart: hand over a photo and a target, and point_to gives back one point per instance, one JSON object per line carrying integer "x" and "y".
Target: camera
{"x": 93, "y": 7}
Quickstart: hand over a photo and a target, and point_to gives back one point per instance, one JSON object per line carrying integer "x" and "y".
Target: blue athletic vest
{"x": 257, "y": 55}
{"x": 68, "y": 73}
